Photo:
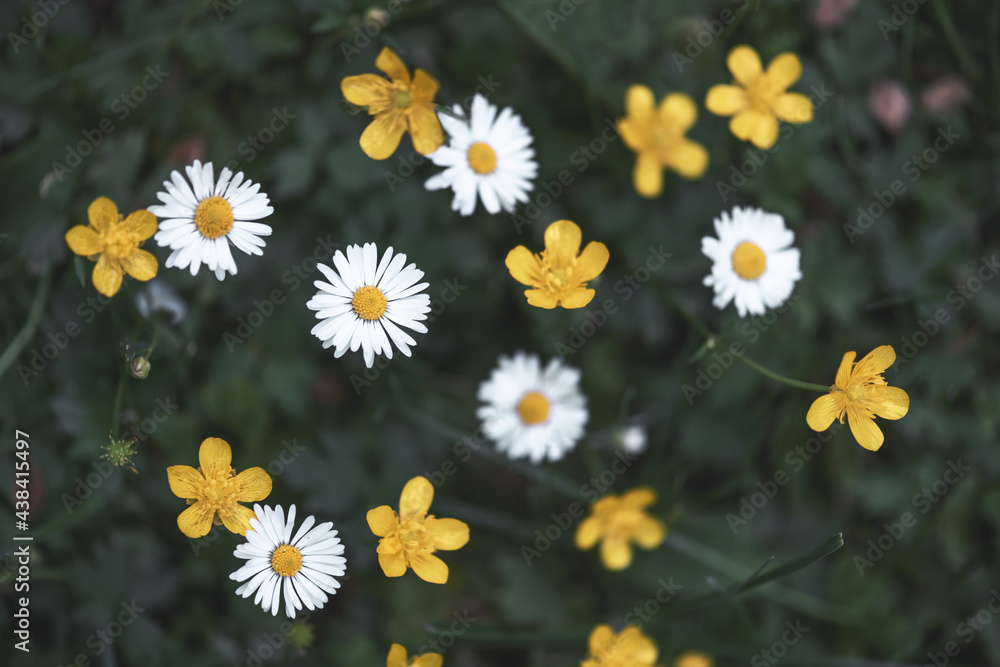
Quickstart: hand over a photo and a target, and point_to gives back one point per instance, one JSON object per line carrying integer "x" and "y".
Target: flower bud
{"x": 139, "y": 368}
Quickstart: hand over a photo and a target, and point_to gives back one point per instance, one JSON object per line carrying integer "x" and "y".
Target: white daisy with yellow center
{"x": 532, "y": 412}
{"x": 488, "y": 156}
{"x": 302, "y": 567}
{"x": 753, "y": 264}
{"x": 200, "y": 220}
{"x": 367, "y": 301}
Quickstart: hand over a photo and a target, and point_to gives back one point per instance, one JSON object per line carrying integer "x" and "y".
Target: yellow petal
{"x": 524, "y": 266}
{"x": 140, "y": 264}
{"x": 141, "y": 224}
{"x": 562, "y": 242}
{"x": 893, "y": 404}
{"x": 381, "y": 138}
{"x": 616, "y": 554}
{"x": 632, "y": 134}
{"x": 430, "y": 568}
{"x": 184, "y": 481}
{"x": 448, "y": 534}
{"x": 876, "y": 361}
{"x": 382, "y": 520}
{"x": 391, "y": 64}
{"x": 428, "y": 660}
{"x": 759, "y": 128}
{"x": 688, "y": 158}
{"x": 678, "y": 110}
{"x": 252, "y": 484}
{"x": 84, "y": 241}
{"x": 639, "y": 497}
{"x": 639, "y": 102}
{"x": 784, "y": 70}
{"x": 393, "y": 565}
{"x": 416, "y": 497}
{"x": 865, "y": 431}
{"x": 397, "y": 656}
{"x": 599, "y": 638}
{"x": 107, "y": 276}
{"x": 650, "y": 533}
{"x": 591, "y": 261}
{"x": 425, "y": 129}
{"x": 365, "y": 90}
{"x": 543, "y": 298}
{"x": 102, "y": 212}
{"x": 215, "y": 458}
{"x": 587, "y": 533}
{"x": 725, "y": 100}
{"x": 844, "y": 370}
{"x": 647, "y": 176}
{"x": 424, "y": 87}
{"x": 823, "y": 411}
{"x": 794, "y": 108}
{"x": 236, "y": 518}
{"x": 641, "y": 650}
{"x": 575, "y": 297}
{"x": 196, "y": 520}
{"x": 744, "y": 64}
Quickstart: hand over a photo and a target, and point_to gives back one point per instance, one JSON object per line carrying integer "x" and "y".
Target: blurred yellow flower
{"x": 759, "y": 99}
{"x": 560, "y": 273}
{"x": 398, "y": 105}
{"x": 694, "y": 659}
{"x": 216, "y": 490}
{"x": 862, "y": 394}
{"x": 657, "y": 135}
{"x": 628, "y": 648}
{"x": 619, "y": 522}
{"x": 114, "y": 244}
{"x": 397, "y": 658}
{"x": 410, "y": 538}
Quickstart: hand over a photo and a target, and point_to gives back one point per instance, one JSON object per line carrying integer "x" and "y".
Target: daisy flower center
{"x": 214, "y": 217}
{"x": 401, "y": 99}
{"x": 286, "y": 560}
{"x": 369, "y": 303}
{"x": 749, "y": 261}
{"x": 533, "y": 408}
{"x": 482, "y": 158}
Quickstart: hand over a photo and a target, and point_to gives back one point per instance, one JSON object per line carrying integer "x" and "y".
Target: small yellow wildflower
{"x": 397, "y": 658}
{"x": 114, "y": 245}
{"x": 861, "y": 393}
{"x": 398, "y": 105}
{"x": 694, "y": 659}
{"x": 560, "y": 273}
{"x": 657, "y": 135}
{"x": 410, "y": 538}
{"x": 628, "y": 648}
{"x": 618, "y": 522}
{"x": 216, "y": 490}
{"x": 759, "y": 100}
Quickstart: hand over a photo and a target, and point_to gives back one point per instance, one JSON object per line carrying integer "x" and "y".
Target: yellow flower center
{"x": 219, "y": 490}
{"x": 286, "y": 560}
{"x": 117, "y": 243}
{"x": 401, "y": 99}
{"x": 214, "y": 217}
{"x": 749, "y": 261}
{"x": 369, "y": 303}
{"x": 482, "y": 158}
{"x": 855, "y": 392}
{"x": 763, "y": 94}
{"x": 533, "y": 408}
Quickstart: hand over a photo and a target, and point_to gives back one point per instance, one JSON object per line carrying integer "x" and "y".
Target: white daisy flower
{"x": 753, "y": 263}
{"x": 488, "y": 154}
{"x": 368, "y": 299}
{"x": 200, "y": 223}
{"x": 304, "y": 565}
{"x": 531, "y": 412}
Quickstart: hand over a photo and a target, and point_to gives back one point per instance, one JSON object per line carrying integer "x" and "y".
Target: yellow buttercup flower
{"x": 410, "y": 538}
{"x": 399, "y": 105}
{"x": 862, "y": 394}
{"x": 114, "y": 245}
{"x": 694, "y": 659}
{"x": 657, "y": 135}
{"x": 216, "y": 490}
{"x": 758, "y": 100}
{"x": 619, "y": 522}
{"x": 560, "y": 273}
{"x": 397, "y": 658}
{"x": 628, "y": 648}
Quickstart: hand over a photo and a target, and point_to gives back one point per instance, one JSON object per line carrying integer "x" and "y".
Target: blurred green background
{"x": 213, "y": 76}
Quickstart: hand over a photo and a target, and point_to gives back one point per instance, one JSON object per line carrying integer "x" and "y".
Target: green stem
{"x": 118, "y": 399}
{"x": 152, "y": 343}
{"x": 951, "y": 34}
{"x": 798, "y": 384}
{"x": 27, "y": 331}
